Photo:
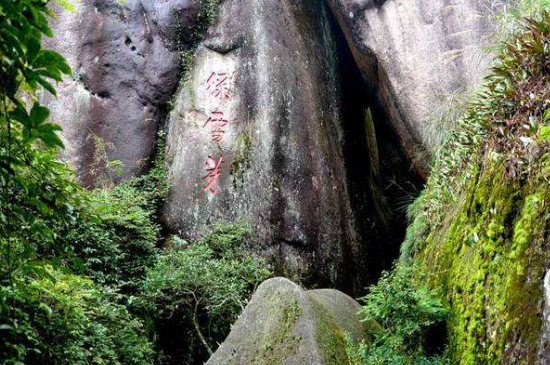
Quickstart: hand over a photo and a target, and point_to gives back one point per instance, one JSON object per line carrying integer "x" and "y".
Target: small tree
{"x": 203, "y": 287}
{"x": 399, "y": 310}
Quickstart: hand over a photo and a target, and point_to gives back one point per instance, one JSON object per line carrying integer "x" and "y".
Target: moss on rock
{"x": 491, "y": 264}
{"x": 481, "y": 226}
{"x": 286, "y": 325}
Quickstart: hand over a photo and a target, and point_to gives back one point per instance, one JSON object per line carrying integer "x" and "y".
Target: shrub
{"x": 115, "y": 239}
{"x": 116, "y": 233}
{"x": 48, "y": 316}
{"x": 400, "y": 312}
{"x": 61, "y": 318}
{"x": 196, "y": 291}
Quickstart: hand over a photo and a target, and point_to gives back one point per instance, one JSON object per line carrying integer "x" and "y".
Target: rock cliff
{"x": 125, "y": 58}
{"x": 261, "y": 129}
{"x": 269, "y": 127}
{"x": 257, "y": 136}
{"x": 419, "y": 57}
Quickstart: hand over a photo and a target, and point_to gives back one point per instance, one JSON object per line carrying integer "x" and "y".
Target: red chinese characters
{"x": 217, "y": 85}
{"x": 217, "y": 124}
{"x": 213, "y": 169}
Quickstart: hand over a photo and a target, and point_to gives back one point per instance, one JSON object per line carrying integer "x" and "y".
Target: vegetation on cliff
{"x": 406, "y": 319}
{"x": 195, "y": 292}
{"x": 480, "y": 226}
{"x": 478, "y": 241}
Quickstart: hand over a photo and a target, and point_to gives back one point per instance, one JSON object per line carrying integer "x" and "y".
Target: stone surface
{"x": 544, "y": 342}
{"x": 125, "y": 56}
{"x": 418, "y": 57}
{"x": 284, "y": 324}
{"x": 280, "y": 140}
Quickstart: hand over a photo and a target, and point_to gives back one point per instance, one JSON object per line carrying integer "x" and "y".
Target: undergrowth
{"x": 511, "y": 15}
{"x": 506, "y": 116}
{"x": 401, "y": 313}
{"x": 195, "y": 291}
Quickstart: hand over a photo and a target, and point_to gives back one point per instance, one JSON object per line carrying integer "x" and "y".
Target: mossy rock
{"x": 285, "y": 324}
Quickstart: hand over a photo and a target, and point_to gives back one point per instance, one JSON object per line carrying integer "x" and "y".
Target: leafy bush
{"x": 196, "y": 291}
{"x": 48, "y": 316}
{"x": 116, "y": 233}
{"x": 38, "y": 195}
{"x": 400, "y": 312}
{"x": 66, "y": 319}
{"x": 115, "y": 239}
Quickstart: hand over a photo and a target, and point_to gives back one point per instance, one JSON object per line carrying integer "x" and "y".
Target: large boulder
{"x": 284, "y": 324}
{"x": 125, "y": 56}
{"x": 418, "y": 57}
{"x": 256, "y": 136}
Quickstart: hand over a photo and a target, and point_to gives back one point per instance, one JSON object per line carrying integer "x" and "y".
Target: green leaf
{"x": 53, "y": 61}
{"x": 32, "y": 42}
{"x": 47, "y": 134}
{"x": 46, "y": 308}
{"x": 39, "y": 114}
{"x": 20, "y": 114}
{"x": 46, "y": 85}
{"x": 39, "y": 21}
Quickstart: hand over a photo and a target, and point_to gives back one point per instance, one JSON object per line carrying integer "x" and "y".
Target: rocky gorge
{"x": 342, "y": 134}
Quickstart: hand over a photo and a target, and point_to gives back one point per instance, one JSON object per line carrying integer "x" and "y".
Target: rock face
{"x": 418, "y": 57}
{"x": 260, "y": 132}
{"x": 125, "y": 59}
{"x": 256, "y": 136}
{"x": 283, "y": 324}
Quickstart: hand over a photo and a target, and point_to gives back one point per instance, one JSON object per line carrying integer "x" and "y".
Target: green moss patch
{"x": 491, "y": 265}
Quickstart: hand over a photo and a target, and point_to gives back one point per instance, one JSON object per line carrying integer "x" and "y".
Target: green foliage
{"x": 104, "y": 170}
{"x": 37, "y": 194}
{"x": 403, "y": 307}
{"x": 25, "y": 65}
{"x": 116, "y": 234}
{"x": 116, "y": 238}
{"x": 198, "y": 290}
{"x": 67, "y": 319}
{"x": 513, "y": 12}
{"x": 480, "y": 225}
{"x": 48, "y": 316}
{"x": 399, "y": 310}
{"x": 507, "y": 116}
{"x": 38, "y": 197}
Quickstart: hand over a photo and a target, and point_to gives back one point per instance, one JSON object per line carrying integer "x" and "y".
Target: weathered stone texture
{"x": 283, "y": 170}
{"x": 419, "y": 57}
{"x": 126, "y": 62}
{"x": 284, "y": 324}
